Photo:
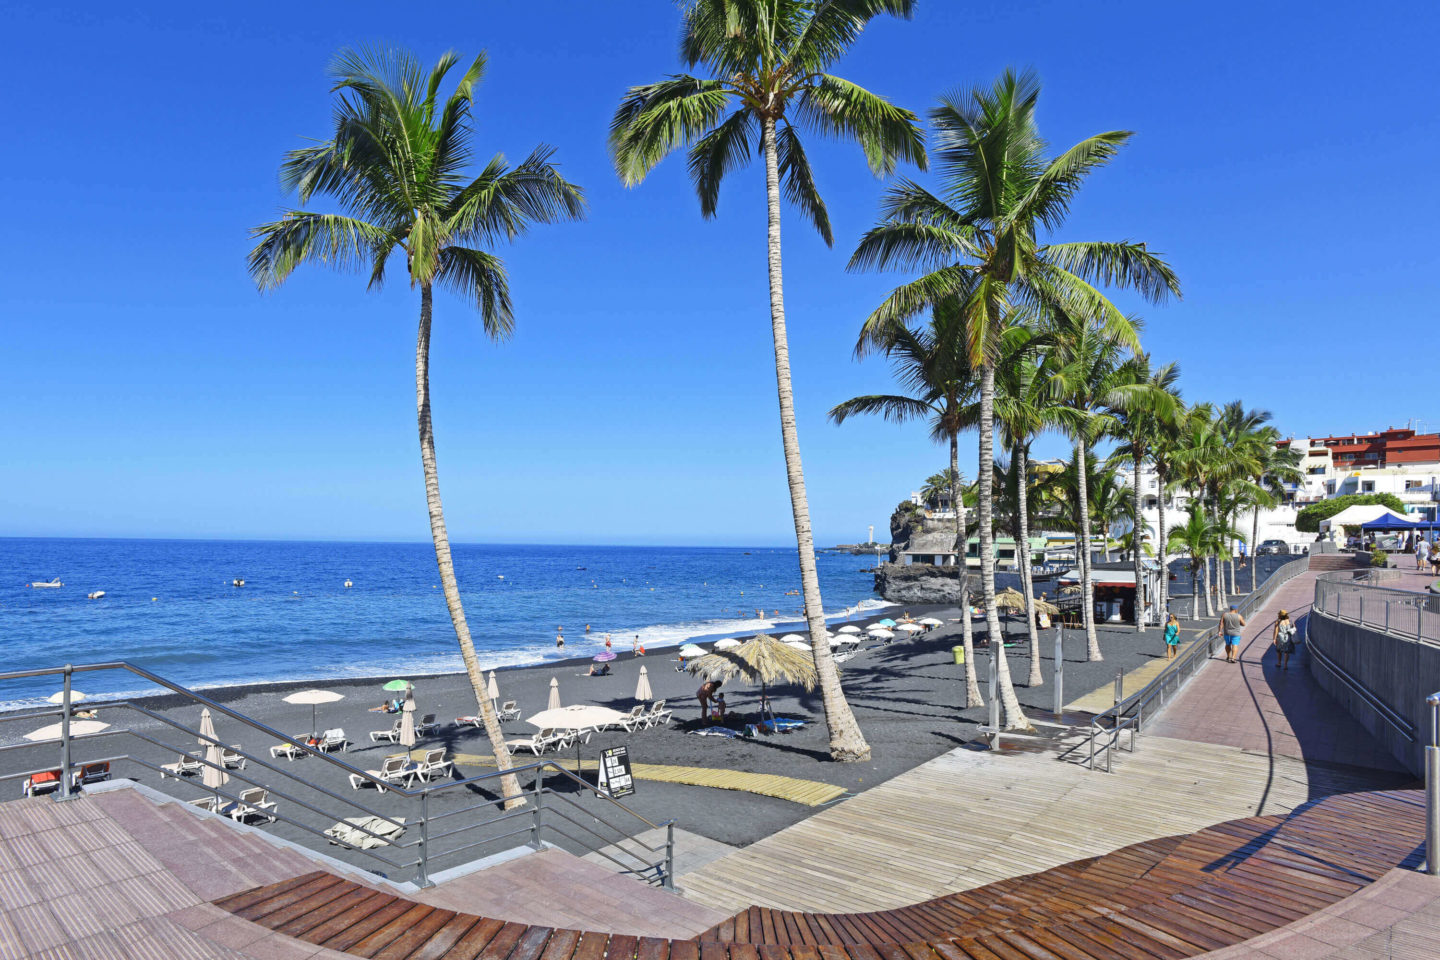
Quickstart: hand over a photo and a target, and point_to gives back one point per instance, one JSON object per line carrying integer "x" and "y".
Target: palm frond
{"x": 479, "y": 278}
{"x": 1122, "y": 264}
{"x": 300, "y": 237}
{"x": 727, "y": 147}
{"x": 656, "y": 118}
{"x": 893, "y": 408}
{"x": 886, "y": 133}
{"x": 798, "y": 181}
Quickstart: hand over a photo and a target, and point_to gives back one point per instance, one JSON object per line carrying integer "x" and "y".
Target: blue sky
{"x": 1281, "y": 161}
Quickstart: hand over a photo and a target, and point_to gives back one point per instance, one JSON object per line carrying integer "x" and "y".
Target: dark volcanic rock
{"x": 918, "y": 583}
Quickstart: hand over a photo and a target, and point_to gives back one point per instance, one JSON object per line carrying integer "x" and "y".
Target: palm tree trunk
{"x": 1021, "y": 465}
{"x": 1087, "y": 582}
{"x": 1136, "y": 542}
{"x": 509, "y": 785}
{"x": 1014, "y": 718}
{"x": 1254, "y": 539}
{"x": 847, "y": 743}
{"x": 1164, "y": 605}
{"x": 972, "y": 680}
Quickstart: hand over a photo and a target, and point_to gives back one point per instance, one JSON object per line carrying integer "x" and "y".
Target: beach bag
{"x": 1285, "y": 639}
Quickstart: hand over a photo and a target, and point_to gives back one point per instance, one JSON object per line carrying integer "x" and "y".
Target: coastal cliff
{"x": 918, "y": 583}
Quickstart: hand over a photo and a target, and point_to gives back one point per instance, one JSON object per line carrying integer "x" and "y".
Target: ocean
{"x": 170, "y": 605}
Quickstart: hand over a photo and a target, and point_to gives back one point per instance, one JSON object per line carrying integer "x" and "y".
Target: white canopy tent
{"x": 1359, "y": 514}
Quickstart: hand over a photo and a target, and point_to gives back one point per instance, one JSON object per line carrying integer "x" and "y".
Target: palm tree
{"x": 1139, "y": 428}
{"x": 1279, "y": 465}
{"x": 395, "y": 164}
{"x": 1200, "y": 538}
{"x": 979, "y": 239}
{"x": 1023, "y": 412}
{"x": 1095, "y": 382}
{"x": 1164, "y": 448}
{"x": 932, "y": 364}
{"x": 937, "y": 485}
{"x": 768, "y": 61}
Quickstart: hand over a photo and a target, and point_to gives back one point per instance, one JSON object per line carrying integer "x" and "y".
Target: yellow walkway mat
{"x": 811, "y": 793}
{"x": 1104, "y": 698}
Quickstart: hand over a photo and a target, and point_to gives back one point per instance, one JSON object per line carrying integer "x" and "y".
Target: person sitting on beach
{"x": 599, "y": 670}
{"x": 707, "y": 690}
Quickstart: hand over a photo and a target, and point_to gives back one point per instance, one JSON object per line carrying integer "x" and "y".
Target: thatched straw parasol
{"x": 1045, "y": 606}
{"x": 1070, "y": 590}
{"x": 762, "y": 659}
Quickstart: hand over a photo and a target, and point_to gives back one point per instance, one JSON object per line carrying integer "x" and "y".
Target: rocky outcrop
{"x": 918, "y": 583}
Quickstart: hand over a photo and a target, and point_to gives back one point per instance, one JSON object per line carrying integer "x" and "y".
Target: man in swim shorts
{"x": 1230, "y": 624}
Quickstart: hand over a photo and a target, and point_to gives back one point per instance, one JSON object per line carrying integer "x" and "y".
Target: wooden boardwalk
{"x": 1175, "y": 898}
{"x": 970, "y": 818}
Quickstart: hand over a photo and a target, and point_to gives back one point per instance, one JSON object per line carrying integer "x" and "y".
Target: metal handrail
{"x": 1128, "y": 713}
{"x": 1409, "y": 623}
{"x": 1432, "y": 789}
{"x": 1396, "y": 722}
{"x": 540, "y": 768}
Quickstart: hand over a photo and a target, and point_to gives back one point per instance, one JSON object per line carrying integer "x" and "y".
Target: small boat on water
{"x": 95, "y": 595}
{"x": 349, "y": 584}
{"x": 237, "y": 582}
{"x": 48, "y": 583}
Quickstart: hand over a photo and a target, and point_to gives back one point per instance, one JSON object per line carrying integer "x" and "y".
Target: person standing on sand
{"x": 635, "y": 649}
{"x": 1230, "y": 624}
{"x": 607, "y": 641}
{"x": 707, "y": 690}
{"x": 1284, "y": 639}
{"x": 1172, "y": 636}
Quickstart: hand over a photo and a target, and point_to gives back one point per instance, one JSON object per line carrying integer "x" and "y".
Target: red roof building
{"x": 1387, "y": 448}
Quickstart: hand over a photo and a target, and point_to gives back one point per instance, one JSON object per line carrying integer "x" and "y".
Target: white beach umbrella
{"x": 881, "y": 634}
{"x": 577, "y": 716}
{"x": 493, "y": 690}
{"x": 642, "y": 689}
{"x": 212, "y": 773}
{"x": 847, "y": 638}
{"x": 314, "y": 698}
{"x": 932, "y": 622}
{"x": 729, "y": 643}
{"x": 691, "y": 650}
{"x": 554, "y": 703}
{"x": 797, "y": 644}
{"x": 791, "y": 638}
{"x": 911, "y": 628}
{"x": 78, "y": 728}
{"x": 407, "y": 719}
{"x": 58, "y": 697}
{"x": 849, "y": 628}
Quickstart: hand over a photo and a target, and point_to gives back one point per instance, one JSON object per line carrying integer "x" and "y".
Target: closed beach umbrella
{"x": 849, "y": 628}
{"x": 642, "y": 689}
{"x": 493, "y": 691}
{"x": 314, "y": 698}
{"x": 729, "y": 643}
{"x": 554, "y": 703}
{"x": 212, "y": 774}
{"x": 78, "y": 728}
{"x": 407, "y": 719}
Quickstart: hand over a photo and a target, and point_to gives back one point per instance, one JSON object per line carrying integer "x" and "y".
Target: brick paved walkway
{"x": 1259, "y": 708}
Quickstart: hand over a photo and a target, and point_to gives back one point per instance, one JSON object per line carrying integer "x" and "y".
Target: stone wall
{"x": 1388, "y": 672}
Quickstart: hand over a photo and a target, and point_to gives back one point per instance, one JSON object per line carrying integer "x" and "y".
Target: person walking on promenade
{"x": 1422, "y": 553}
{"x": 1230, "y": 624}
{"x": 1172, "y": 636}
{"x": 1284, "y": 639}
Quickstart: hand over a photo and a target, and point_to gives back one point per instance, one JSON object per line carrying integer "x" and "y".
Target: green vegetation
{"x": 1308, "y": 519}
{"x": 1379, "y": 558}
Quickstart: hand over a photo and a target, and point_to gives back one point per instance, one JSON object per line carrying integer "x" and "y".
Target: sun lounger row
{"x": 400, "y": 767}
{"x": 425, "y": 725}
{"x": 193, "y": 762}
{"x": 254, "y": 802}
{"x": 509, "y": 710}
{"x": 49, "y": 780}
{"x": 556, "y": 739}
{"x": 326, "y": 742}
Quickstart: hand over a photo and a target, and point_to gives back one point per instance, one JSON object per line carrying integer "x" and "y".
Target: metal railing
{"x": 1104, "y": 737}
{"x": 1399, "y": 613}
{"x": 1432, "y": 789}
{"x": 464, "y": 825}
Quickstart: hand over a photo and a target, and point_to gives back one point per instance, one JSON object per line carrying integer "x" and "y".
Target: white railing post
{"x": 65, "y": 793}
{"x": 1432, "y": 790}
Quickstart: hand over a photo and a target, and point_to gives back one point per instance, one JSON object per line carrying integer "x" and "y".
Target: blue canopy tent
{"x": 1392, "y": 522}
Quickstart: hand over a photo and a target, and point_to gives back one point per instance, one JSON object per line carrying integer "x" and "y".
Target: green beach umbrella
{"x": 397, "y": 685}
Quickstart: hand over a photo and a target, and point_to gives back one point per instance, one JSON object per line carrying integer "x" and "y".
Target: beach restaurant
{"x": 1115, "y": 589}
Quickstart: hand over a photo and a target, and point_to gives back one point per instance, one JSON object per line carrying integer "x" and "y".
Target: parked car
{"x": 1273, "y": 546}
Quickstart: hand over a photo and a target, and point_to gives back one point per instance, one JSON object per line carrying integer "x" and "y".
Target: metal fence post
{"x": 65, "y": 792}
{"x": 535, "y": 821}
{"x": 1362, "y": 610}
{"x": 1059, "y": 669}
{"x": 669, "y": 881}
{"x": 1432, "y": 791}
{"x": 422, "y": 877}
{"x": 994, "y": 699}
{"x": 1119, "y": 691}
